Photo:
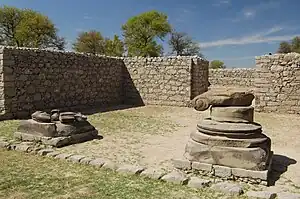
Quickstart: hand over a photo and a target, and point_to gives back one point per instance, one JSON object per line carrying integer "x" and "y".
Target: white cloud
{"x": 250, "y": 12}
{"x": 261, "y": 37}
{"x": 221, "y": 2}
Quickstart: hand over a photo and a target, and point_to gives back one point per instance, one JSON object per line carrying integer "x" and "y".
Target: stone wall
{"x": 34, "y": 79}
{"x": 38, "y": 80}
{"x": 164, "y": 80}
{"x": 237, "y": 77}
{"x": 278, "y": 83}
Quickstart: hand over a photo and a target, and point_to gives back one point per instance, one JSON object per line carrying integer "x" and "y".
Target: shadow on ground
{"x": 280, "y": 164}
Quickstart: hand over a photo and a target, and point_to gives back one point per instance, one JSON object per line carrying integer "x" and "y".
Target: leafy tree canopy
{"x": 28, "y": 28}
{"x": 90, "y": 42}
{"x": 141, "y": 33}
{"x": 216, "y": 64}
{"x": 293, "y": 46}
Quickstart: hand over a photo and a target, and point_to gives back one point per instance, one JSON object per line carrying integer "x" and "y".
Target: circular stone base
{"x": 223, "y": 128}
{"x": 232, "y": 113}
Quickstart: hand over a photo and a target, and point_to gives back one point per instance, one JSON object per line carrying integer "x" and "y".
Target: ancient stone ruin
{"x": 228, "y": 144}
{"x": 56, "y": 129}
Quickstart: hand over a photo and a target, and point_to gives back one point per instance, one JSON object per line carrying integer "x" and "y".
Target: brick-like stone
{"x": 153, "y": 173}
{"x": 130, "y": 169}
{"x": 110, "y": 165}
{"x": 182, "y": 164}
{"x": 287, "y": 195}
{"x": 222, "y": 171}
{"x": 23, "y": 147}
{"x": 176, "y": 177}
{"x": 261, "y": 195}
{"x": 63, "y": 156}
{"x": 202, "y": 166}
{"x": 263, "y": 175}
{"x": 86, "y": 160}
{"x": 228, "y": 188}
{"x": 44, "y": 152}
{"x": 198, "y": 183}
{"x": 53, "y": 154}
{"x": 99, "y": 162}
{"x": 76, "y": 158}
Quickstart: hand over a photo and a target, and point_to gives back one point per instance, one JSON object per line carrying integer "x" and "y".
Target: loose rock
{"x": 176, "y": 177}
{"x": 198, "y": 183}
{"x": 261, "y": 195}
{"x": 228, "y": 188}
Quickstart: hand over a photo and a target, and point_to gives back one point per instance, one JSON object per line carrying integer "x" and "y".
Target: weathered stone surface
{"x": 198, "y": 183}
{"x": 153, "y": 173}
{"x": 221, "y": 171}
{"x": 287, "y": 195}
{"x": 202, "y": 166}
{"x": 245, "y": 141}
{"x": 73, "y": 129}
{"x": 232, "y": 113}
{"x": 110, "y": 165}
{"x": 33, "y": 127}
{"x": 229, "y": 97}
{"x": 57, "y": 141}
{"x": 130, "y": 169}
{"x": 228, "y": 188}
{"x": 4, "y": 144}
{"x": 247, "y": 158}
{"x": 23, "y": 147}
{"x": 176, "y": 177}
{"x": 263, "y": 175}
{"x": 99, "y": 162}
{"x": 63, "y": 156}
{"x": 86, "y": 160}
{"x": 53, "y": 154}
{"x": 182, "y": 164}
{"x": 76, "y": 158}
{"x": 44, "y": 152}
{"x": 261, "y": 195}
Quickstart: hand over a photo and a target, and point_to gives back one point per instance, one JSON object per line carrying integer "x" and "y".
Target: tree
{"x": 216, "y": 64}
{"x": 141, "y": 33}
{"x": 114, "y": 47}
{"x": 284, "y": 47}
{"x": 182, "y": 44}
{"x": 28, "y": 28}
{"x": 295, "y": 44}
{"x": 90, "y": 42}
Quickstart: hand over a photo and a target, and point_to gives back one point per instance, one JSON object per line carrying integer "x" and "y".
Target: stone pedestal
{"x": 229, "y": 137}
{"x": 57, "y": 129}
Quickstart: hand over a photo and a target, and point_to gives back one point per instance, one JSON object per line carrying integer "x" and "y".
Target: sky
{"x": 234, "y": 31}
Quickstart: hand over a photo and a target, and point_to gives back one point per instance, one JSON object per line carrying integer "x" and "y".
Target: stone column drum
{"x": 229, "y": 137}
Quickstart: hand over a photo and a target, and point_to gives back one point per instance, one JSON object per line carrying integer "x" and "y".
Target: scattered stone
{"x": 110, "y": 165}
{"x": 287, "y": 195}
{"x": 99, "y": 162}
{"x": 22, "y": 147}
{"x": 153, "y": 173}
{"x": 86, "y": 160}
{"x": 63, "y": 156}
{"x": 53, "y": 154}
{"x": 198, "y": 183}
{"x": 221, "y": 171}
{"x": 182, "y": 164}
{"x": 176, "y": 177}
{"x": 130, "y": 169}
{"x": 261, "y": 195}
{"x": 228, "y": 188}
{"x": 76, "y": 158}
{"x": 4, "y": 144}
{"x": 44, "y": 152}
{"x": 202, "y": 166}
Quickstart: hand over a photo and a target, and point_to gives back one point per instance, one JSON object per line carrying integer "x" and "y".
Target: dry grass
{"x": 28, "y": 176}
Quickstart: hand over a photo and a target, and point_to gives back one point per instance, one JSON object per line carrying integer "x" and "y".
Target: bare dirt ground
{"x": 152, "y": 135}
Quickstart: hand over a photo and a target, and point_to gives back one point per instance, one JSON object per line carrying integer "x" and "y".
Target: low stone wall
{"x": 164, "y": 80}
{"x": 35, "y": 79}
{"x": 278, "y": 83}
{"x": 238, "y": 77}
{"x": 38, "y": 80}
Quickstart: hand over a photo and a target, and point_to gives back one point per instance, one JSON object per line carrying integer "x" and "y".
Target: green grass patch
{"x": 29, "y": 176}
{"x": 8, "y": 127}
